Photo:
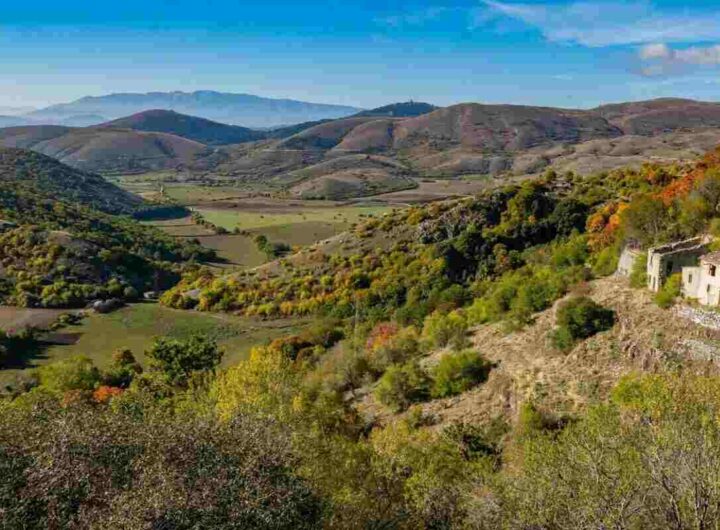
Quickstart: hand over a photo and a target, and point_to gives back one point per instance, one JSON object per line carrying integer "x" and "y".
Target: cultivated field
{"x": 294, "y": 222}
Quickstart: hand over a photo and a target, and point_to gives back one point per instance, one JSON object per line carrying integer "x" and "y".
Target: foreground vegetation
{"x": 282, "y": 438}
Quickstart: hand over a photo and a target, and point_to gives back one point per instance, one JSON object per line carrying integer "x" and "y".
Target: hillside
{"x": 349, "y": 176}
{"x": 497, "y": 140}
{"x": 197, "y": 129}
{"x": 63, "y": 182}
{"x": 661, "y": 115}
{"x": 471, "y": 363}
{"x": 236, "y": 109}
{"x": 451, "y": 142}
{"x": 60, "y": 250}
{"x": 105, "y": 150}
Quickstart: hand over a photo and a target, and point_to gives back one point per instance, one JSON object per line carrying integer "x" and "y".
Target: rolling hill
{"x": 236, "y": 109}
{"x": 62, "y": 245}
{"x": 464, "y": 139}
{"x": 472, "y": 139}
{"x": 105, "y": 150}
{"x": 190, "y": 127}
{"x": 63, "y": 182}
{"x": 663, "y": 115}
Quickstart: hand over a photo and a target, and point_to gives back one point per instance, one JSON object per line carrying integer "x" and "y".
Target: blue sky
{"x": 363, "y": 53}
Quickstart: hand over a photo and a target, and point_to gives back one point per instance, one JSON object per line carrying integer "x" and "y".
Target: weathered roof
{"x": 694, "y": 244}
{"x": 712, "y": 257}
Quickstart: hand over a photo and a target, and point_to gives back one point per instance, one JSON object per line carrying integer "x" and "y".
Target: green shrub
{"x": 76, "y": 373}
{"x": 179, "y": 360}
{"x": 398, "y": 349}
{"x": 605, "y": 262}
{"x": 580, "y": 318}
{"x": 458, "y": 372}
{"x": 445, "y": 330}
{"x": 402, "y": 385}
{"x": 669, "y": 292}
{"x": 562, "y": 339}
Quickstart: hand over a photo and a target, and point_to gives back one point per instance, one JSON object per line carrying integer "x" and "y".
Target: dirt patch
{"x": 14, "y": 319}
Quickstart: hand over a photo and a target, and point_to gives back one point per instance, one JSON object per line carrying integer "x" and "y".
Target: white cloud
{"x": 661, "y": 59}
{"x": 698, "y": 55}
{"x": 608, "y": 23}
{"x": 654, "y": 51}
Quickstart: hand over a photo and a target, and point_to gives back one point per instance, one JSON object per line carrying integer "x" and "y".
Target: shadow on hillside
{"x": 162, "y": 213}
{"x": 31, "y": 353}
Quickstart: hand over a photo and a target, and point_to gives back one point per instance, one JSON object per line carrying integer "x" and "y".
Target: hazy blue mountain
{"x": 237, "y": 109}
{"x": 13, "y": 121}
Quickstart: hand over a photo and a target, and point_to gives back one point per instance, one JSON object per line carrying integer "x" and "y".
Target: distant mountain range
{"x": 234, "y": 109}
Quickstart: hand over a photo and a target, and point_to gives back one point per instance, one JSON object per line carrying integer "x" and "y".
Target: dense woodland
{"x": 277, "y": 441}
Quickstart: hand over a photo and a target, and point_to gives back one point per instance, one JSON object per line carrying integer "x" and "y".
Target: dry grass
{"x": 645, "y": 338}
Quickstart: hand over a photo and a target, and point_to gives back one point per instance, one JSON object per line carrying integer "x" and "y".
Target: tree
{"x": 178, "y": 360}
{"x": 646, "y": 220}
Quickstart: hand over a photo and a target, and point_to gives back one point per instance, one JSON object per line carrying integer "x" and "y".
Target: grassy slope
{"x": 341, "y": 217}
{"x": 136, "y": 326}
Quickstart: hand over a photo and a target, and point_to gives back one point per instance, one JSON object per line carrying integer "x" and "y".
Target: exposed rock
{"x": 107, "y": 306}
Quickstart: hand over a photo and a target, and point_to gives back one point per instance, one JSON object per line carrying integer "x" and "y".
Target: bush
{"x": 580, "y": 318}
{"x": 100, "y": 467}
{"x": 445, "y": 330}
{"x": 401, "y": 346}
{"x": 458, "y": 372}
{"x": 122, "y": 370}
{"x": 402, "y": 385}
{"x": 76, "y": 373}
{"x": 179, "y": 360}
{"x": 605, "y": 262}
{"x": 669, "y": 292}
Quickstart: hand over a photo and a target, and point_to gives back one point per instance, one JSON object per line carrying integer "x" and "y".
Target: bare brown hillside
{"x": 105, "y": 150}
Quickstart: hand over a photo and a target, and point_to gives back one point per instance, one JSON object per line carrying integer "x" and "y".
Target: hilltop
{"x": 193, "y": 128}
{"x": 405, "y": 109}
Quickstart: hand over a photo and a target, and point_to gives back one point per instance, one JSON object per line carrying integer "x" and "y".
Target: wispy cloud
{"x": 608, "y": 23}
